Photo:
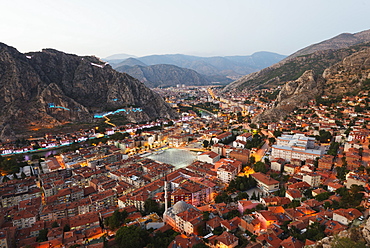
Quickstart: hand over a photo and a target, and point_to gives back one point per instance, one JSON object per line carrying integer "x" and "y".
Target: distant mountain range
{"x": 163, "y": 75}
{"x": 212, "y": 69}
{"x": 51, "y": 88}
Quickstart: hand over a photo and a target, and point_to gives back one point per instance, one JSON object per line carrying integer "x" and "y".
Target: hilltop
{"x": 50, "y": 88}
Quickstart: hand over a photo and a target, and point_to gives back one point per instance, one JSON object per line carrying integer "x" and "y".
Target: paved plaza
{"x": 177, "y": 157}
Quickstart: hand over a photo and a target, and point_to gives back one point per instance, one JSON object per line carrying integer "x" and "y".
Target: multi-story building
{"x": 326, "y": 162}
{"x": 266, "y": 183}
{"x": 295, "y": 146}
{"x": 226, "y": 173}
{"x": 209, "y": 157}
{"x": 192, "y": 192}
{"x": 188, "y": 221}
{"x": 23, "y": 219}
{"x": 312, "y": 179}
{"x": 240, "y": 155}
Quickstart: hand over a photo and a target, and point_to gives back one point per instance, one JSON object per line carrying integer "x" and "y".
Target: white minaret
{"x": 165, "y": 195}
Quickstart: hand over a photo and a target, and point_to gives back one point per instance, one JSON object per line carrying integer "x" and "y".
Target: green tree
{"x": 254, "y": 196}
{"x": 132, "y": 237}
{"x": 151, "y": 206}
{"x": 205, "y": 143}
{"x": 206, "y": 216}
{"x": 66, "y": 228}
{"x": 42, "y": 235}
{"x": 260, "y": 167}
{"x": 54, "y": 224}
{"x": 252, "y": 160}
{"x": 323, "y": 196}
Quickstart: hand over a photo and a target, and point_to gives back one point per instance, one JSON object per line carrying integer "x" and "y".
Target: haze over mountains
{"x": 210, "y": 69}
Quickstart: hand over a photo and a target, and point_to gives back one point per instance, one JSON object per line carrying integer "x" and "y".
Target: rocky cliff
{"x": 294, "y": 94}
{"x": 51, "y": 88}
{"x": 316, "y": 57}
{"x": 164, "y": 75}
{"x": 349, "y": 76}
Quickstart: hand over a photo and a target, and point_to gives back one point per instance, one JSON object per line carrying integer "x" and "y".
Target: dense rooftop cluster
{"x": 300, "y": 179}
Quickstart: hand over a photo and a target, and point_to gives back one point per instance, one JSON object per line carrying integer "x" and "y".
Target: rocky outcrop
{"x": 164, "y": 75}
{"x": 317, "y": 57}
{"x": 294, "y": 94}
{"x": 51, "y": 88}
{"x": 350, "y": 75}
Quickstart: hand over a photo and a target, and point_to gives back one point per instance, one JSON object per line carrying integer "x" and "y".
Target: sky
{"x": 193, "y": 27}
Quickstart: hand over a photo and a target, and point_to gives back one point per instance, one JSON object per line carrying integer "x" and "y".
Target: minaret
{"x": 165, "y": 194}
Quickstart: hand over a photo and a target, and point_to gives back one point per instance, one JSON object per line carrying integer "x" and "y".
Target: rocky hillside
{"x": 349, "y": 76}
{"x": 51, "y": 88}
{"x": 317, "y": 57}
{"x": 294, "y": 94}
{"x": 164, "y": 75}
{"x": 335, "y": 43}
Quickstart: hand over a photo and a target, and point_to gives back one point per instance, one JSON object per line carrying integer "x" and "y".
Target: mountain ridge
{"x": 51, "y": 88}
{"x": 230, "y": 66}
{"x": 292, "y": 67}
{"x": 162, "y": 75}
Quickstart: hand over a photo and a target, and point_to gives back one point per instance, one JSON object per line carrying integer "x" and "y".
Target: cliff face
{"x": 51, "y": 88}
{"x": 294, "y": 94}
{"x": 350, "y": 75}
{"x": 316, "y": 57}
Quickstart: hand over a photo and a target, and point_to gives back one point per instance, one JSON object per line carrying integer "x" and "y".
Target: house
{"x": 277, "y": 164}
{"x": 250, "y": 223}
{"x": 334, "y": 186}
{"x": 225, "y": 240}
{"x": 275, "y": 200}
{"x": 239, "y": 144}
{"x": 226, "y": 173}
{"x": 265, "y": 182}
{"x": 293, "y": 194}
{"x": 245, "y": 204}
{"x": 213, "y": 223}
{"x": 353, "y": 178}
{"x": 209, "y": 157}
{"x": 312, "y": 179}
{"x": 318, "y": 191}
{"x": 231, "y": 225}
{"x": 222, "y": 137}
{"x": 269, "y": 240}
{"x": 188, "y": 221}
{"x": 346, "y": 216}
{"x": 241, "y": 155}
{"x": 291, "y": 242}
{"x": 23, "y": 219}
{"x": 291, "y": 169}
{"x": 245, "y": 137}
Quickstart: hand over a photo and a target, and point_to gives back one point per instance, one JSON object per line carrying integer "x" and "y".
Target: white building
{"x": 209, "y": 157}
{"x": 296, "y": 146}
